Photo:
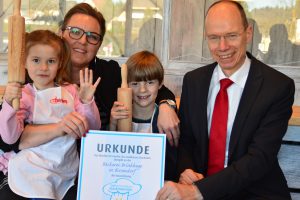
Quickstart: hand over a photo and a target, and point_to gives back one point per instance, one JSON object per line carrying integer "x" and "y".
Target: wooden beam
{"x": 295, "y": 119}
{"x": 2, "y": 88}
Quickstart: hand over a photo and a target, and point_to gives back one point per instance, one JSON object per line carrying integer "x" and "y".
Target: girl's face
{"x": 144, "y": 92}
{"x": 42, "y": 63}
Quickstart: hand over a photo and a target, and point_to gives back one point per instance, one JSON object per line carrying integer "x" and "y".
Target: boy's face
{"x": 144, "y": 92}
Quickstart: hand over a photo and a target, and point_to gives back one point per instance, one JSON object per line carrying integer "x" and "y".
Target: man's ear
{"x": 249, "y": 32}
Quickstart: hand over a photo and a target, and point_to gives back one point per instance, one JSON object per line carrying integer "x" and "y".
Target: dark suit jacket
{"x": 261, "y": 121}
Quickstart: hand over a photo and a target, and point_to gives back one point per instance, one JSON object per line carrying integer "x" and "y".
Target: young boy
{"x": 145, "y": 77}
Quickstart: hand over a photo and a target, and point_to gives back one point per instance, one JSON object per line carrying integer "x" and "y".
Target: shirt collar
{"x": 239, "y": 77}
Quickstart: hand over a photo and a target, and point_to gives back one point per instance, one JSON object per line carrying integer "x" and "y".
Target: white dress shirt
{"x": 234, "y": 95}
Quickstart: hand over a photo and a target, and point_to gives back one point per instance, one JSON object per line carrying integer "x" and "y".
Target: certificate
{"x": 121, "y": 166}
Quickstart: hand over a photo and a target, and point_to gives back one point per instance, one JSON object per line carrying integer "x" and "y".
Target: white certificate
{"x": 121, "y": 166}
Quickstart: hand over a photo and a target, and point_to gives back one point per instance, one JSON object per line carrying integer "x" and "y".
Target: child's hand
{"x": 118, "y": 111}
{"x": 188, "y": 177}
{"x": 87, "y": 89}
{"x": 12, "y": 90}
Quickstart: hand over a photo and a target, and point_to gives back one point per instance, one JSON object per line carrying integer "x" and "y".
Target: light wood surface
{"x": 295, "y": 119}
{"x": 125, "y": 96}
{"x": 16, "y": 44}
{"x": 2, "y": 88}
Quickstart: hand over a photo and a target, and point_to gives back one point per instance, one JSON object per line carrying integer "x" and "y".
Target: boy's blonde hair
{"x": 46, "y": 37}
{"x": 144, "y": 66}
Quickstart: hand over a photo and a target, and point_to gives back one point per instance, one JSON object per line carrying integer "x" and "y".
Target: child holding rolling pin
{"x": 46, "y": 171}
{"x": 145, "y": 77}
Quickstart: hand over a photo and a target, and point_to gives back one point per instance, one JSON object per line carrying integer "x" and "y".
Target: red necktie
{"x": 218, "y": 130}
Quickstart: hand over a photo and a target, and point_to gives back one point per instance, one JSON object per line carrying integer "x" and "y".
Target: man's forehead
{"x": 223, "y": 13}
{"x": 223, "y": 5}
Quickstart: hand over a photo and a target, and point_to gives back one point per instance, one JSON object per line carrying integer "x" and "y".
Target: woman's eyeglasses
{"x": 77, "y": 33}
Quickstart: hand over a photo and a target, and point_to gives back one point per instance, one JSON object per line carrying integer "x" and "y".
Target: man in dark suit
{"x": 259, "y": 103}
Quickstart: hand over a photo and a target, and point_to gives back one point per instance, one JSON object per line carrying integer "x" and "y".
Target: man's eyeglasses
{"x": 77, "y": 33}
{"x": 230, "y": 37}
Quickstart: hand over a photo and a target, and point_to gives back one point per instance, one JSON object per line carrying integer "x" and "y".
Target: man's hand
{"x": 188, "y": 177}
{"x": 176, "y": 191}
{"x": 168, "y": 123}
{"x": 87, "y": 88}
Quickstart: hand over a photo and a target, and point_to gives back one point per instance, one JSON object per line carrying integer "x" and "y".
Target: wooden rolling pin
{"x": 125, "y": 96}
{"x": 16, "y": 47}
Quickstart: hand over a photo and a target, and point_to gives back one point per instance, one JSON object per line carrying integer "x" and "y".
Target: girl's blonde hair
{"x": 144, "y": 66}
{"x": 46, "y": 37}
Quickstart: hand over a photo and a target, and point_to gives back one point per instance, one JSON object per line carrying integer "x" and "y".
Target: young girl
{"x": 145, "y": 77}
{"x": 48, "y": 170}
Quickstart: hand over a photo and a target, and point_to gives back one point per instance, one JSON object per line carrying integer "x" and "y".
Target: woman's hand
{"x": 118, "y": 111}
{"x": 87, "y": 88}
{"x": 13, "y": 90}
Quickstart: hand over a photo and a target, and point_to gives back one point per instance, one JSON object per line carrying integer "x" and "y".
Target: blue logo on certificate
{"x": 121, "y": 166}
{"x": 121, "y": 189}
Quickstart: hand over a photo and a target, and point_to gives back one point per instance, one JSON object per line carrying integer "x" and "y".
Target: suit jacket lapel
{"x": 200, "y": 109}
{"x": 204, "y": 89}
{"x": 252, "y": 87}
